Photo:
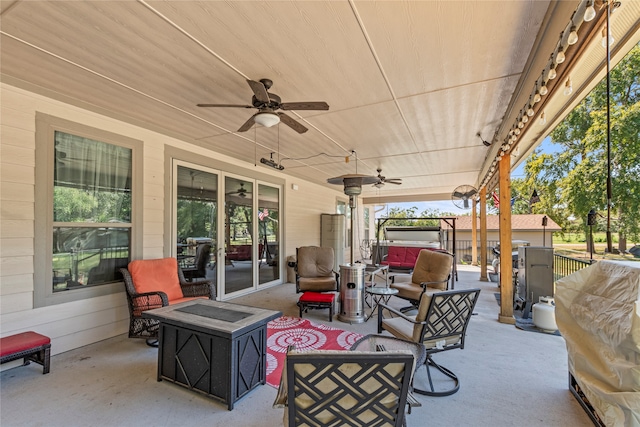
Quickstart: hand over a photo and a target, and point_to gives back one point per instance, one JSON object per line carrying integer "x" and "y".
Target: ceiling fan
{"x": 240, "y": 192}
{"x": 461, "y": 195}
{"x": 382, "y": 180}
{"x": 267, "y": 104}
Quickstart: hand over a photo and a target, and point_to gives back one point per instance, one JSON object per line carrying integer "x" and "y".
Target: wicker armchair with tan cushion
{"x": 155, "y": 283}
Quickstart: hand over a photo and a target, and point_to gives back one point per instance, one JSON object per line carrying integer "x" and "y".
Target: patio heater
{"x": 352, "y": 275}
{"x": 353, "y": 187}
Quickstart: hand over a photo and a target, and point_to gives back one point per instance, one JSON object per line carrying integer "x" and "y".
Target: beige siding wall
{"x": 79, "y": 323}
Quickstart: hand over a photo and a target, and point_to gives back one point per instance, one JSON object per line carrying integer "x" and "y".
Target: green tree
{"x": 573, "y": 180}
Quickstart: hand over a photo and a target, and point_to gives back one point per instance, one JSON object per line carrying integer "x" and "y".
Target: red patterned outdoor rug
{"x": 305, "y": 335}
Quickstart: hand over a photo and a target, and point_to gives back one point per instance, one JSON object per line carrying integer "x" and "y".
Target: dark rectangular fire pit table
{"x": 216, "y": 348}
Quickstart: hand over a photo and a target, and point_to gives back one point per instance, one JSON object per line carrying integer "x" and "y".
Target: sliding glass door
{"x": 196, "y": 221}
{"x": 226, "y": 228}
{"x": 239, "y": 234}
{"x": 269, "y": 233}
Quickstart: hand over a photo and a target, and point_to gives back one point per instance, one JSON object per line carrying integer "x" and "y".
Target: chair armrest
{"x": 401, "y": 278}
{"x": 397, "y": 313}
{"x": 149, "y": 300}
{"x": 198, "y": 288}
{"x": 282, "y": 396}
{"x": 426, "y": 284}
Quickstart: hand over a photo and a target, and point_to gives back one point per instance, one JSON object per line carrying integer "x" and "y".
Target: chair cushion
{"x": 407, "y": 290}
{"x": 317, "y": 297}
{"x": 315, "y": 261}
{"x": 317, "y": 284}
{"x": 153, "y": 275}
{"x": 21, "y": 342}
{"x": 396, "y": 255}
{"x": 432, "y": 266}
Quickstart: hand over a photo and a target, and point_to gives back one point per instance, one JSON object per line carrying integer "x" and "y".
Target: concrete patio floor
{"x": 509, "y": 377}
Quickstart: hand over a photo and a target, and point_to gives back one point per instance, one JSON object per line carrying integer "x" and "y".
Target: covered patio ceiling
{"x": 410, "y": 84}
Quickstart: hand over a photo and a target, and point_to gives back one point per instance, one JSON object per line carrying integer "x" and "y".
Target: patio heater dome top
{"x": 353, "y": 182}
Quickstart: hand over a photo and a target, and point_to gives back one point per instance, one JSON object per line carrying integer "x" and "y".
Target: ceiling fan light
{"x": 267, "y": 119}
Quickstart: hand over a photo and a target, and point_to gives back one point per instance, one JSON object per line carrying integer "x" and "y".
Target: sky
{"x": 447, "y": 205}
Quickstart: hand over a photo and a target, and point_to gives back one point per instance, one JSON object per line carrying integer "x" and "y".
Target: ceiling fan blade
{"x": 248, "y": 124}
{"x": 292, "y": 123}
{"x": 259, "y": 90}
{"x": 225, "y": 105}
{"x": 304, "y": 106}
{"x": 396, "y": 181}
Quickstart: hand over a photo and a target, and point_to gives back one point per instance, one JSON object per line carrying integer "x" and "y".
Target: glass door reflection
{"x": 238, "y": 235}
{"x": 197, "y": 222}
{"x": 269, "y": 232}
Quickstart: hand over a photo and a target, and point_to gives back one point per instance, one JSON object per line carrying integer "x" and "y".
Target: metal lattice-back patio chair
{"x": 345, "y": 388}
{"x": 440, "y": 324}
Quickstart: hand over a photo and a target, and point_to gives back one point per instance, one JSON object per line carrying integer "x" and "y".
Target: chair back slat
{"x": 448, "y": 315}
{"x": 348, "y": 388}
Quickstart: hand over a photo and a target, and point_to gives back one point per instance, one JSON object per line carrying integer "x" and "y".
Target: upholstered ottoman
{"x": 310, "y": 300}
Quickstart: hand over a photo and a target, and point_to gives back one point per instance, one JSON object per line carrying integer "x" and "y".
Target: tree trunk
{"x": 622, "y": 242}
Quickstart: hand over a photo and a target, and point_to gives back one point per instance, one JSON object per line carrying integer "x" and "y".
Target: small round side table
{"x": 379, "y": 295}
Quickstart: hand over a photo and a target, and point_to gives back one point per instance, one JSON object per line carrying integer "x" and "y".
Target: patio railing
{"x": 464, "y": 249}
{"x": 564, "y": 265}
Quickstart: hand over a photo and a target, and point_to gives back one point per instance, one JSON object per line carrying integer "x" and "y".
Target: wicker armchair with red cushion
{"x": 155, "y": 283}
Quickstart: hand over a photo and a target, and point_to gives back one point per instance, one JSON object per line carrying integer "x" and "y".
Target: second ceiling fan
{"x": 382, "y": 180}
{"x": 267, "y": 104}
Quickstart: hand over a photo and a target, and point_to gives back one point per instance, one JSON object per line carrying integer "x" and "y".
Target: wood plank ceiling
{"x": 409, "y": 83}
